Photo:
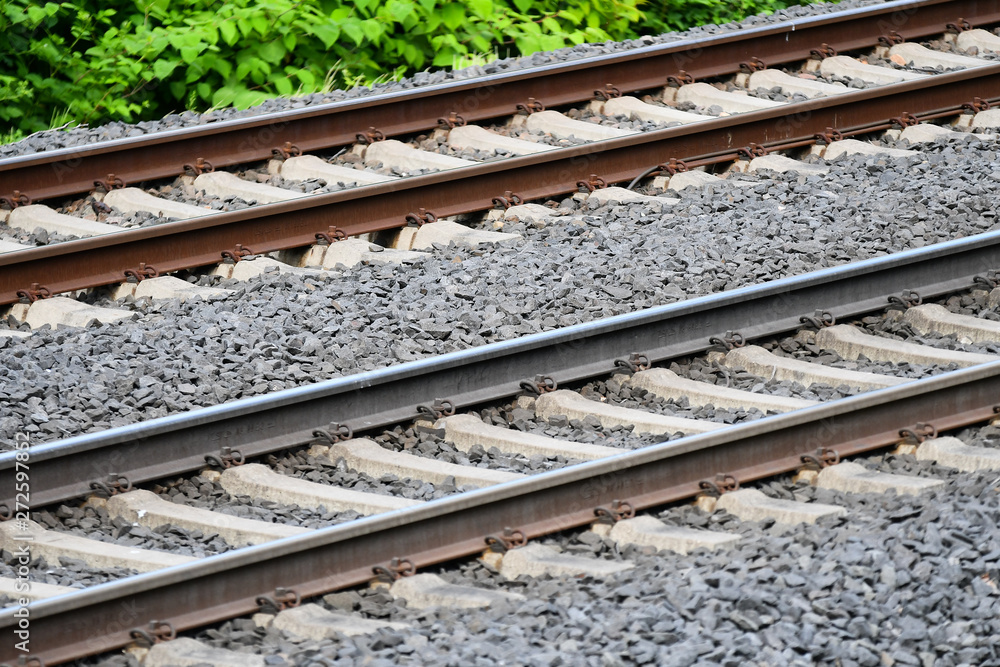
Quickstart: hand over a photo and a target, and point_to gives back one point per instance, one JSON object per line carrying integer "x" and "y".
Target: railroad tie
{"x": 15, "y": 589}
{"x": 635, "y": 109}
{"x": 762, "y": 363}
{"x": 305, "y": 167}
{"x": 916, "y": 55}
{"x": 224, "y": 184}
{"x": 752, "y": 505}
{"x": 259, "y": 481}
{"x": 167, "y": 287}
{"x": 481, "y": 139}
{"x": 367, "y": 457}
{"x": 623, "y": 196}
{"x": 150, "y": 510}
{"x": 393, "y": 154}
{"x": 12, "y": 246}
{"x": 648, "y": 531}
{"x": 53, "y": 545}
{"x": 30, "y": 218}
{"x": 933, "y": 318}
{"x": 851, "y": 477}
{"x": 704, "y": 96}
{"x": 466, "y": 431}
{"x": 61, "y": 310}
{"x": 312, "y": 621}
{"x": 836, "y": 149}
{"x": 953, "y": 453}
{"x": 851, "y": 343}
{"x": 667, "y": 384}
{"x": 574, "y": 406}
{"x": 978, "y": 38}
{"x": 447, "y": 231}
{"x": 845, "y": 67}
{"x": 538, "y": 560}
{"x": 248, "y": 269}
{"x": 429, "y": 590}
{"x": 350, "y": 253}
{"x": 135, "y": 200}
{"x": 187, "y": 652}
{"x": 563, "y": 127}
{"x": 769, "y": 79}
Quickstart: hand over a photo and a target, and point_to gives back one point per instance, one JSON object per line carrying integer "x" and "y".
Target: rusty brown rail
{"x": 74, "y": 170}
{"x": 226, "y": 586}
{"x": 201, "y": 241}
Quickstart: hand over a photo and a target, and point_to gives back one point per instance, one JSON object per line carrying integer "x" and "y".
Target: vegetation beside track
{"x": 91, "y": 61}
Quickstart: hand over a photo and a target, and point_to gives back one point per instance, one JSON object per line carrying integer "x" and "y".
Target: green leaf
{"x": 353, "y": 30}
{"x": 524, "y": 5}
{"x": 248, "y": 98}
{"x": 177, "y": 89}
{"x": 307, "y": 79}
{"x": 229, "y": 33}
{"x": 372, "y": 30}
{"x": 453, "y": 15}
{"x": 190, "y": 53}
{"x": 289, "y": 41}
{"x": 283, "y": 86}
{"x": 482, "y": 8}
{"x": 163, "y": 68}
{"x": 272, "y": 52}
{"x": 327, "y": 33}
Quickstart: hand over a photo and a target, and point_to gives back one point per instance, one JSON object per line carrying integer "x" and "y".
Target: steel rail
{"x": 170, "y": 247}
{"x": 228, "y": 585}
{"x": 179, "y": 443}
{"x": 74, "y": 170}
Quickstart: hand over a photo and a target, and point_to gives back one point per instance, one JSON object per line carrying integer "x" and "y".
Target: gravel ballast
{"x": 283, "y": 331}
{"x": 900, "y": 580}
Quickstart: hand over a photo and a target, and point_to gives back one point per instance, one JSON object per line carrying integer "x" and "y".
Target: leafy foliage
{"x": 131, "y": 60}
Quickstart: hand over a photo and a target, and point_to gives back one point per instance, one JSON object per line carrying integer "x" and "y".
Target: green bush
{"x": 131, "y": 60}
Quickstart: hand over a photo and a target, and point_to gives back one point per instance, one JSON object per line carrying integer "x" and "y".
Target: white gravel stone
{"x": 987, "y": 120}
{"x": 782, "y": 164}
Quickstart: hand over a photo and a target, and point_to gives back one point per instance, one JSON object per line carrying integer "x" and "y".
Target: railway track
{"x": 194, "y": 594}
